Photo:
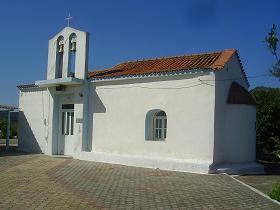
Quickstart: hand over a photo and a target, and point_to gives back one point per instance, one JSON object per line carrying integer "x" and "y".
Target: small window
{"x": 67, "y": 122}
{"x": 67, "y": 106}
{"x": 155, "y": 125}
{"x": 160, "y": 126}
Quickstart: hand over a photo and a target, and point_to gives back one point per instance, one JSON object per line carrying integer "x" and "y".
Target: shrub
{"x": 268, "y": 121}
{"x": 275, "y": 192}
{"x": 3, "y": 128}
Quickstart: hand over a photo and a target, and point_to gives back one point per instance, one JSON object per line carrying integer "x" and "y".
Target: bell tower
{"x": 68, "y": 54}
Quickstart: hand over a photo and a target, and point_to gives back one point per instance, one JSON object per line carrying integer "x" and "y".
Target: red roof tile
{"x": 213, "y": 61}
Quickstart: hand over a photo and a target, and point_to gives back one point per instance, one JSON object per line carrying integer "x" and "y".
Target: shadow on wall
{"x": 97, "y": 107}
{"x": 27, "y": 141}
{"x": 234, "y": 132}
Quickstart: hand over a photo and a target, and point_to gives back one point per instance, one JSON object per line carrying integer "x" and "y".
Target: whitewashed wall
{"x": 119, "y": 110}
{"x": 39, "y": 122}
{"x": 33, "y": 120}
{"x": 71, "y": 95}
{"x": 234, "y": 124}
{"x": 240, "y": 142}
{"x": 202, "y": 129}
{"x": 81, "y": 53}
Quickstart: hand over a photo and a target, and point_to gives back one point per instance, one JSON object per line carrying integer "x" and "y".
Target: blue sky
{"x": 133, "y": 29}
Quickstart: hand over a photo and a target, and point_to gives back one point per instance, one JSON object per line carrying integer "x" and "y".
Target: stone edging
{"x": 254, "y": 189}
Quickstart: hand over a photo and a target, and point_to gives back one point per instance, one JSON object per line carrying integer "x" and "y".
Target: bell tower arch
{"x": 59, "y": 57}
{"x": 68, "y": 54}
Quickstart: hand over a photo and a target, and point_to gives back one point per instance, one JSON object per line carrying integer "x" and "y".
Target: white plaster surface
{"x": 71, "y": 95}
{"x": 185, "y": 165}
{"x": 203, "y": 131}
{"x": 81, "y": 63}
{"x": 240, "y": 142}
{"x": 33, "y": 120}
{"x": 119, "y": 112}
{"x": 234, "y": 124}
{"x": 57, "y": 82}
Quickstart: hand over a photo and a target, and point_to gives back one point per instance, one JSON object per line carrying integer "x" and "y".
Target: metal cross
{"x": 68, "y": 19}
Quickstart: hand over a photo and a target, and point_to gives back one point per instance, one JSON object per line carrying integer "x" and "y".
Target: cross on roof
{"x": 68, "y": 19}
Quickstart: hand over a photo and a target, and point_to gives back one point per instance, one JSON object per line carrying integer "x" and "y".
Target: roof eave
{"x": 152, "y": 75}
{"x": 27, "y": 87}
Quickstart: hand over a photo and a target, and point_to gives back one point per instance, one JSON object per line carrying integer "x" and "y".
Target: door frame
{"x": 62, "y": 140}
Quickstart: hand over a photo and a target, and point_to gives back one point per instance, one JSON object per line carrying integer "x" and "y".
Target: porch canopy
{"x": 8, "y": 109}
{"x": 59, "y": 81}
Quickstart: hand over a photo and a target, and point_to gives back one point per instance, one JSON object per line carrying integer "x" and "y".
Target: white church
{"x": 185, "y": 113}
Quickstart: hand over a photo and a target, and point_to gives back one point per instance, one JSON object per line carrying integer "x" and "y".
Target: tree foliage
{"x": 3, "y": 128}
{"x": 272, "y": 44}
{"x": 268, "y": 119}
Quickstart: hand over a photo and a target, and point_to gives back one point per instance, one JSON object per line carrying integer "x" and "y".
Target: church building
{"x": 184, "y": 113}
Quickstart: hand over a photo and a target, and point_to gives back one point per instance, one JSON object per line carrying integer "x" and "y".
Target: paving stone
{"x": 43, "y": 182}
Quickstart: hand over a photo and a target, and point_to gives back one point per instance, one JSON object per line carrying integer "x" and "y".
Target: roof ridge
{"x": 214, "y": 60}
{"x": 161, "y": 58}
{"x": 176, "y": 56}
{"x": 223, "y": 58}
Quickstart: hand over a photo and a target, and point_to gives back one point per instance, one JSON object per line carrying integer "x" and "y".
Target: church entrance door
{"x": 67, "y": 129}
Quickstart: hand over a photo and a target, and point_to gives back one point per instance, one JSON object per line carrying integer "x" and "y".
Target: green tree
{"x": 268, "y": 120}
{"x": 272, "y": 44}
{"x": 14, "y": 128}
{"x": 3, "y": 128}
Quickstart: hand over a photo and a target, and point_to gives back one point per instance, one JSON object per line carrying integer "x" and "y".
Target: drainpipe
{"x": 8, "y": 131}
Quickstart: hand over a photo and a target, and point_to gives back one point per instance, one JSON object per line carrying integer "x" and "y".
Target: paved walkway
{"x": 264, "y": 183}
{"x": 42, "y": 182}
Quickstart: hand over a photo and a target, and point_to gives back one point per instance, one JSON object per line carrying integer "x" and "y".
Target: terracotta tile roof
{"x": 212, "y": 61}
{"x": 239, "y": 95}
{"x": 27, "y": 86}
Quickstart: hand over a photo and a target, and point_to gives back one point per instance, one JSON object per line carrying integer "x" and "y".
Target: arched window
{"x": 59, "y": 56}
{"x": 160, "y": 125}
{"x": 156, "y": 125}
{"x": 72, "y": 55}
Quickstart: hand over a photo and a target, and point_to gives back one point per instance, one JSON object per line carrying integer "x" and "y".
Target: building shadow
{"x": 96, "y": 107}
{"x": 13, "y": 151}
{"x": 271, "y": 168}
{"x": 27, "y": 141}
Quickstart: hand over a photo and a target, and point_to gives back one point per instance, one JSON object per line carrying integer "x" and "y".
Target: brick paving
{"x": 264, "y": 183}
{"x": 43, "y": 182}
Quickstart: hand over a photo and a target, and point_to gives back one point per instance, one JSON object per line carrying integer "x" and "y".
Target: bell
{"x": 73, "y": 46}
{"x": 60, "y": 50}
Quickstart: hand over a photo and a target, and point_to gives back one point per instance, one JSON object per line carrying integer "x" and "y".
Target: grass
{"x": 275, "y": 192}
